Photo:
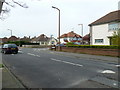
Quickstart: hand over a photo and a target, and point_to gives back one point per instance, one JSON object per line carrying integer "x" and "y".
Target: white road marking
{"x": 12, "y": 54}
{"x": 37, "y": 55}
{"x": 33, "y": 54}
{"x": 20, "y": 51}
{"x": 114, "y": 84}
{"x": 66, "y": 62}
{"x": 117, "y": 65}
{"x": 107, "y": 71}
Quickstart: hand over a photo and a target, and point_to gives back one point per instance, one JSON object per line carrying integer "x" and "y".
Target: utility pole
{"x": 10, "y": 31}
{"x": 58, "y": 25}
{"x": 81, "y": 31}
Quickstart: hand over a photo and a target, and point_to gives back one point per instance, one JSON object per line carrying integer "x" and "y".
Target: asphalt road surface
{"x": 41, "y": 68}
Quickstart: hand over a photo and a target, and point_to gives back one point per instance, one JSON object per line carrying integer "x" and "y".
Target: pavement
{"x": 9, "y": 80}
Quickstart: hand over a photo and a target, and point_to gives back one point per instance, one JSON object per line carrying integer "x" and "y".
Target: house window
{"x": 98, "y": 40}
{"x": 113, "y": 26}
{"x": 42, "y": 42}
{"x": 74, "y": 38}
{"x": 79, "y": 38}
{"x": 52, "y": 42}
{"x": 65, "y": 38}
{"x": 70, "y": 39}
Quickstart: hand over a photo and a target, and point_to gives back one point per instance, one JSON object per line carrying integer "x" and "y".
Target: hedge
{"x": 95, "y": 46}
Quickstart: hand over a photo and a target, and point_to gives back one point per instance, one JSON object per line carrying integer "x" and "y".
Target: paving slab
{"x": 9, "y": 81}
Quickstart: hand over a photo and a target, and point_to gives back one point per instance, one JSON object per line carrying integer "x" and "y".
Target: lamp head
{"x": 53, "y": 7}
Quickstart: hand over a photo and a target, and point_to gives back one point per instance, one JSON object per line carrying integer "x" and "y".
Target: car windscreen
{"x": 12, "y": 46}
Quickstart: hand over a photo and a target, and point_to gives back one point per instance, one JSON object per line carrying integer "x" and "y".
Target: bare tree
{"x": 5, "y": 11}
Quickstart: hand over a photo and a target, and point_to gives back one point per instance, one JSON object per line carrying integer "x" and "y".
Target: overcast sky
{"x": 41, "y": 18}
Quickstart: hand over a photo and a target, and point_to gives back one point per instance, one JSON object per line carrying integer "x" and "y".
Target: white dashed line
{"x": 33, "y": 54}
{"x": 117, "y": 65}
{"x": 107, "y": 71}
{"x": 20, "y": 51}
{"x": 37, "y": 55}
{"x": 66, "y": 62}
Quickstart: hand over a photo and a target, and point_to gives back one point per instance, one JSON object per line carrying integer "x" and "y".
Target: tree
{"x": 116, "y": 38}
{"x": 5, "y": 12}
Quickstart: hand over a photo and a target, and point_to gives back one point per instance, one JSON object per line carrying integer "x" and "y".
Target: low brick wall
{"x": 93, "y": 51}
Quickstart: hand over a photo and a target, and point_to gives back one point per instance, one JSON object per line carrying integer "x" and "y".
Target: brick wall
{"x": 94, "y": 51}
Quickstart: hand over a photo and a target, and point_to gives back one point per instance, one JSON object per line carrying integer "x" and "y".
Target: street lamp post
{"x": 58, "y": 25}
{"x": 10, "y": 31}
{"x": 81, "y": 31}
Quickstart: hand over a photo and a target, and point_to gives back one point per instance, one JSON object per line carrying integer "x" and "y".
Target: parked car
{"x": 9, "y": 48}
{"x": 60, "y": 45}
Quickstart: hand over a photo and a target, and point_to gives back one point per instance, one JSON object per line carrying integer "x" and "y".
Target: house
{"x": 52, "y": 41}
{"x": 1, "y": 41}
{"x": 13, "y": 38}
{"x": 25, "y": 39}
{"x": 101, "y": 30}
{"x": 4, "y": 40}
{"x": 86, "y": 39}
{"x": 71, "y": 37}
{"x": 42, "y": 39}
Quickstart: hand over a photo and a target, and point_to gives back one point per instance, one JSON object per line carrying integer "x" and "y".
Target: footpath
{"x": 9, "y": 80}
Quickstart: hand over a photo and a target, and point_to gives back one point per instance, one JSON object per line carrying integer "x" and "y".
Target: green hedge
{"x": 21, "y": 43}
{"x": 95, "y": 46}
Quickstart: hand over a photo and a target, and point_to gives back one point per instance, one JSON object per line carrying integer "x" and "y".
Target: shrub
{"x": 70, "y": 43}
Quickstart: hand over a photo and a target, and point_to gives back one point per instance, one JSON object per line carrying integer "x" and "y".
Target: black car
{"x": 9, "y": 48}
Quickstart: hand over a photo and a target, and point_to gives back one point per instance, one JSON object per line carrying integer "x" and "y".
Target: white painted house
{"x": 102, "y": 29}
{"x": 44, "y": 40}
{"x": 70, "y": 37}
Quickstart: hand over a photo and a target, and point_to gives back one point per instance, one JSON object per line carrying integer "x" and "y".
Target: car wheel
{"x": 4, "y": 52}
{"x": 15, "y": 52}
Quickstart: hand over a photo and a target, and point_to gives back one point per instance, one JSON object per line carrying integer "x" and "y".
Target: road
{"x": 41, "y": 68}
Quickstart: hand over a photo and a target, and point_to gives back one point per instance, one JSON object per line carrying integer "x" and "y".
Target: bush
{"x": 96, "y": 46}
{"x": 21, "y": 43}
{"x": 70, "y": 43}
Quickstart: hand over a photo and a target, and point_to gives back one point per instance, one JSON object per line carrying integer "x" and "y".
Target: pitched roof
{"x": 25, "y": 38}
{"x": 86, "y": 37}
{"x": 110, "y": 17}
{"x": 42, "y": 37}
{"x": 70, "y": 34}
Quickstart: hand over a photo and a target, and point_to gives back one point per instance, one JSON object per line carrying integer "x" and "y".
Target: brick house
{"x": 25, "y": 39}
{"x": 86, "y": 39}
{"x": 4, "y": 40}
{"x": 13, "y": 38}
